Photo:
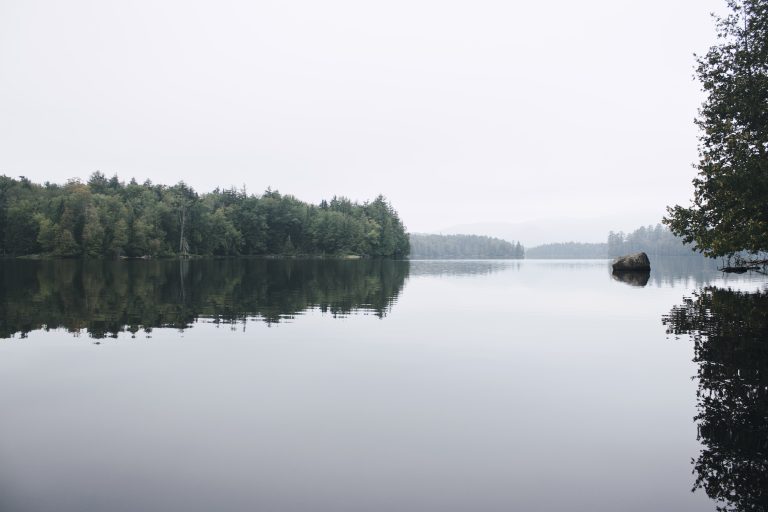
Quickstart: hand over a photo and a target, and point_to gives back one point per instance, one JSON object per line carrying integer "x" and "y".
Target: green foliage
{"x": 463, "y": 247}
{"x": 107, "y": 218}
{"x": 18, "y": 206}
{"x": 729, "y": 211}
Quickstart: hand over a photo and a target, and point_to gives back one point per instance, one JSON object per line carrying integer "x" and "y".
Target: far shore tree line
{"x": 106, "y": 217}
{"x": 654, "y": 240}
{"x": 425, "y": 246}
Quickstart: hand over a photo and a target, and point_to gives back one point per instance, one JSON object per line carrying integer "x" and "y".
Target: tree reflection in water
{"x": 109, "y": 297}
{"x": 730, "y": 333}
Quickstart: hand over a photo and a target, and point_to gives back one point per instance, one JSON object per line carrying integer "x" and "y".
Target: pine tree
{"x": 729, "y": 211}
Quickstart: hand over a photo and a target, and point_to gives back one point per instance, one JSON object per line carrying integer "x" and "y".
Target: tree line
{"x": 654, "y": 240}
{"x": 106, "y": 217}
{"x": 463, "y": 247}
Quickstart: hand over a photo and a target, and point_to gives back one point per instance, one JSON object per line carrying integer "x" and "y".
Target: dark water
{"x": 267, "y": 385}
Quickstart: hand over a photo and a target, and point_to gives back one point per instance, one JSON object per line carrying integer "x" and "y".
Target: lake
{"x": 281, "y": 385}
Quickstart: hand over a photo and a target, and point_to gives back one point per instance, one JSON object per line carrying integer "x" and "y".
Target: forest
{"x": 463, "y": 247}
{"x": 654, "y": 240}
{"x": 106, "y": 217}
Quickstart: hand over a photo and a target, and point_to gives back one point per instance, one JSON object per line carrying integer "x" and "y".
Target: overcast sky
{"x": 458, "y": 112}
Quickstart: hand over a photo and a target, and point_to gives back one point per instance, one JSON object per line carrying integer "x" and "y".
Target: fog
{"x": 459, "y": 112}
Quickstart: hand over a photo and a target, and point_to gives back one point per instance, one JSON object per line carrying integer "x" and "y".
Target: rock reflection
{"x": 109, "y": 297}
{"x": 730, "y": 333}
{"x": 632, "y": 277}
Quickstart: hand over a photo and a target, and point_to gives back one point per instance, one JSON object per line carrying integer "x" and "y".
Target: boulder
{"x": 637, "y": 261}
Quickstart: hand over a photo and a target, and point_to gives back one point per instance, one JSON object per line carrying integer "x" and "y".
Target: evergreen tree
{"x": 729, "y": 211}
{"x": 107, "y": 218}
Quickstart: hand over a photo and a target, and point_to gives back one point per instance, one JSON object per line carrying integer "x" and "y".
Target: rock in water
{"x": 637, "y": 261}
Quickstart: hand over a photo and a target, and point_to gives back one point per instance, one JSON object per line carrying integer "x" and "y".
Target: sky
{"x": 459, "y": 112}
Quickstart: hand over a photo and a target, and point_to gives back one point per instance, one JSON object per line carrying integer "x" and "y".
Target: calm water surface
{"x": 267, "y": 385}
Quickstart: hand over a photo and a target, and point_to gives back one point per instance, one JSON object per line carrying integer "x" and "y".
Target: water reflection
{"x": 109, "y": 297}
{"x": 683, "y": 270}
{"x": 632, "y": 277}
{"x": 465, "y": 268}
{"x": 730, "y": 333}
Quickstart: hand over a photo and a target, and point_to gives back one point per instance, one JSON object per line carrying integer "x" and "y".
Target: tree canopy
{"x": 729, "y": 210}
{"x": 106, "y": 217}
